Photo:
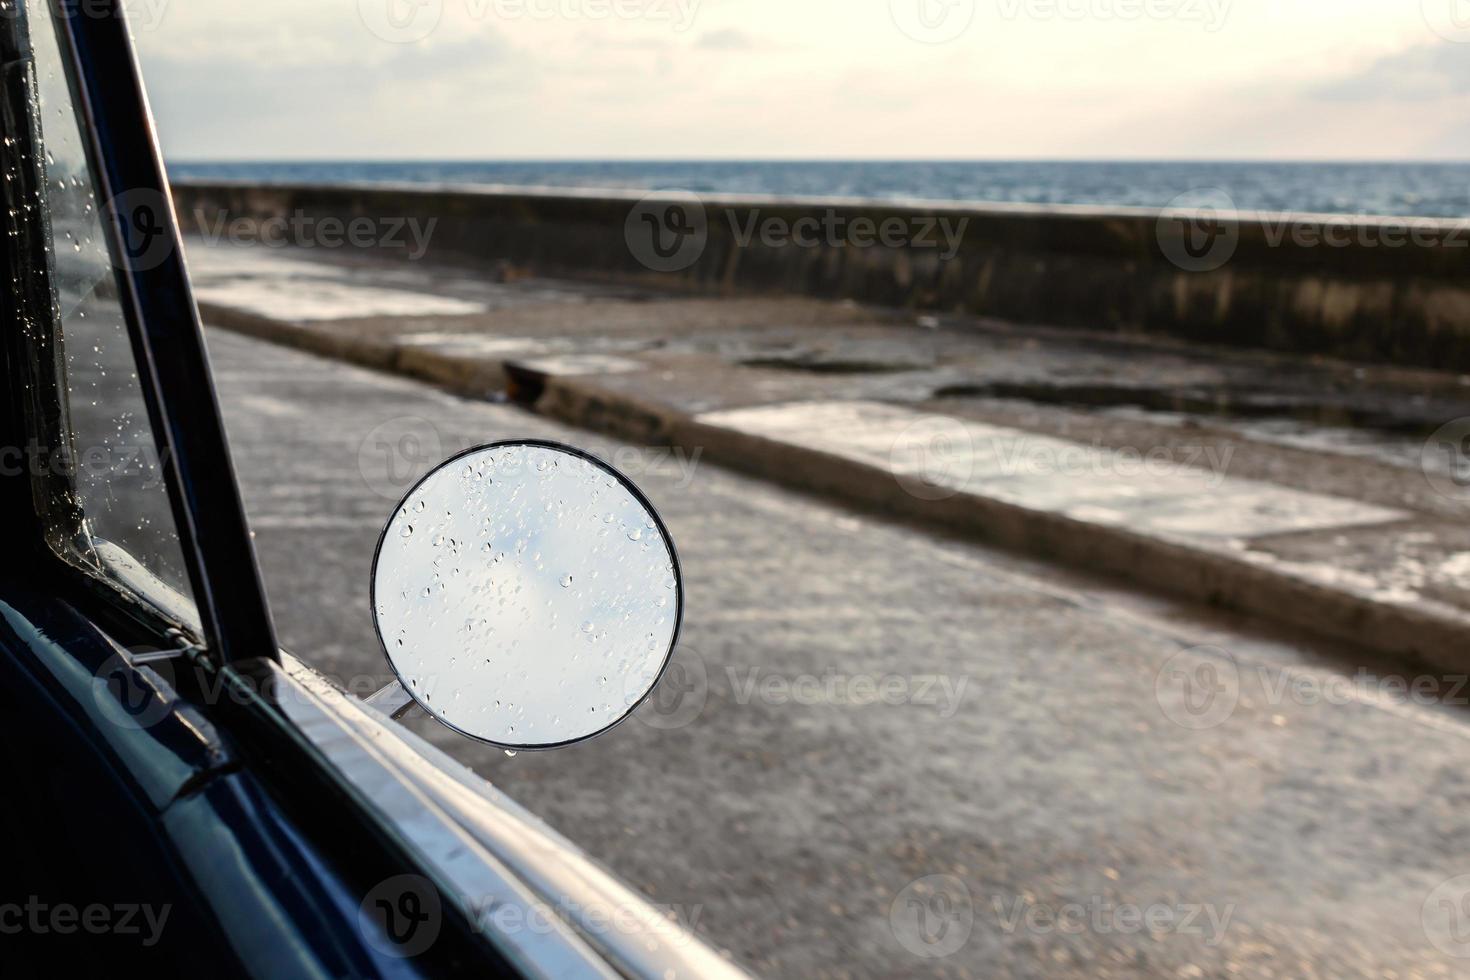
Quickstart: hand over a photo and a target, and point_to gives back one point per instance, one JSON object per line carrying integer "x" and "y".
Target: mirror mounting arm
{"x": 393, "y": 700}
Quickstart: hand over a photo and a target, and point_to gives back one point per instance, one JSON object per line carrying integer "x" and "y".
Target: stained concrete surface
{"x": 1105, "y": 784}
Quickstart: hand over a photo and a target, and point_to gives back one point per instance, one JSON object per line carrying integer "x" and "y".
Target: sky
{"x": 807, "y": 79}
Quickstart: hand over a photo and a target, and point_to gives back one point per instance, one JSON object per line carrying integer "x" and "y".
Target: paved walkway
{"x": 879, "y": 745}
{"x": 1317, "y": 494}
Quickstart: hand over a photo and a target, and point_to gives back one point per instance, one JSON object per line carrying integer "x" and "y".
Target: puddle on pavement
{"x": 1388, "y": 427}
{"x": 1392, "y": 412}
{"x": 850, "y": 359}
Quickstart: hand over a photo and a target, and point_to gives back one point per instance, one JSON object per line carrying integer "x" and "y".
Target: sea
{"x": 1403, "y": 189}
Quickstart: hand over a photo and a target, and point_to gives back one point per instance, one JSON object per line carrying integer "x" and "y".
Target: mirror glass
{"x": 527, "y": 595}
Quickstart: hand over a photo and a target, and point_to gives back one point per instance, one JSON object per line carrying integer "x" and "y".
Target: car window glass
{"x": 113, "y": 460}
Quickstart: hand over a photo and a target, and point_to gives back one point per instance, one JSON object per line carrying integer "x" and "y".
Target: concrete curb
{"x": 1430, "y": 633}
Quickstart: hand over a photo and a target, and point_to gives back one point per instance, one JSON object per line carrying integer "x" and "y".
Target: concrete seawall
{"x": 1374, "y": 289}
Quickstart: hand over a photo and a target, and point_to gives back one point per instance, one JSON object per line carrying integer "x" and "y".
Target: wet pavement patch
{"x": 1393, "y": 412}
{"x": 850, "y": 359}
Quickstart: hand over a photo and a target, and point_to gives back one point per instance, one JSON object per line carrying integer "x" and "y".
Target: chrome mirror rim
{"x": 637, "y": 494}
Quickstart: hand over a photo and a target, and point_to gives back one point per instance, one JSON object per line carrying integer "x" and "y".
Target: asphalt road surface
{"x": 886, "y": 754}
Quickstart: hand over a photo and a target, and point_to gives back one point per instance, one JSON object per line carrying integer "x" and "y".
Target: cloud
{"x": 1428, "y": 71}
{"x": 726, "y": 40}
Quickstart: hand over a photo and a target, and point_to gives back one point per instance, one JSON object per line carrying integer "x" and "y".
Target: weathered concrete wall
{"x": 1378, "y": 289}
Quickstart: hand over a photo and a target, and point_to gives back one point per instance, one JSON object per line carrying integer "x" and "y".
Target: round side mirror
{"x": 527, "y": 595}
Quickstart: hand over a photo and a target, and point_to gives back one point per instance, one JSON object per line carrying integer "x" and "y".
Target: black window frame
{"x": 163, "y": 326}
